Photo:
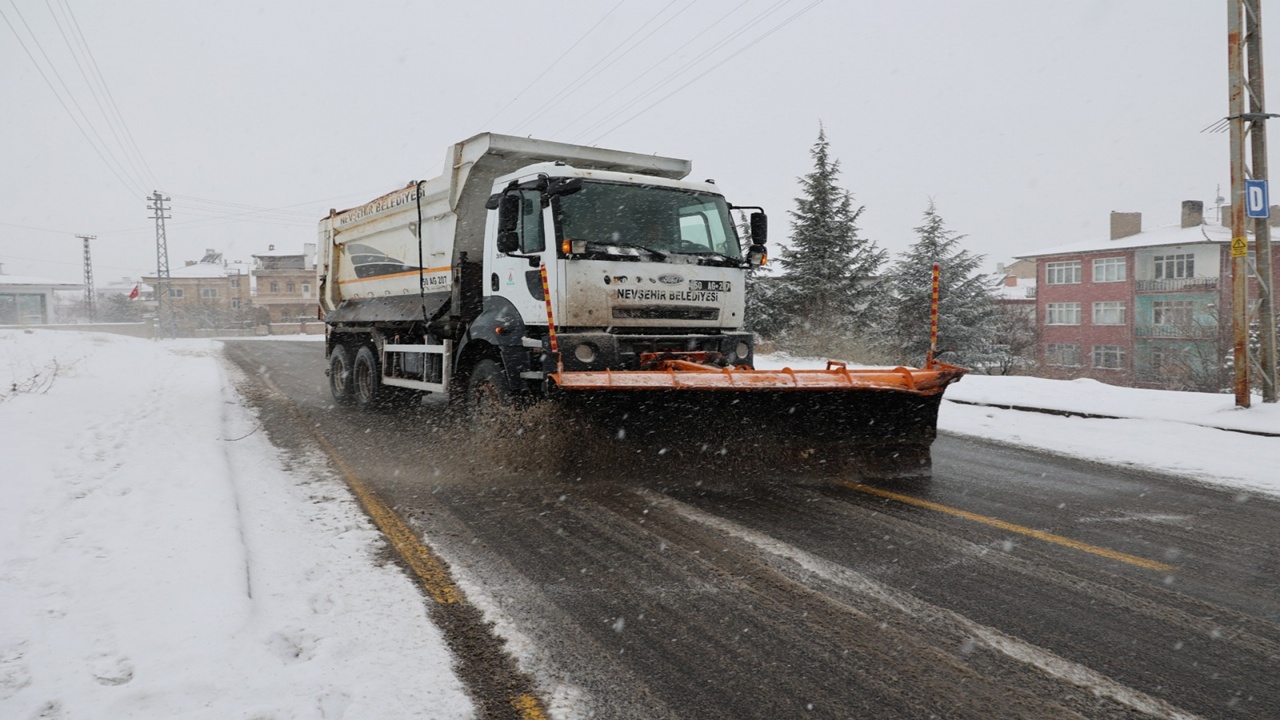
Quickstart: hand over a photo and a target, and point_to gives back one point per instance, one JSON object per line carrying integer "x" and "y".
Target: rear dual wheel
{"x": 356, "y": 379}
{"x": 367, "y": 387}
{"x": 340, "y": 375}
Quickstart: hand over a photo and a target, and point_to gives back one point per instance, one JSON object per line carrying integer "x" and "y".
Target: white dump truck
{"x": 598, "y": 278}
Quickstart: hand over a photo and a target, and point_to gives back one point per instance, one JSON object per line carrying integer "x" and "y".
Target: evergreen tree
{"x": 966, "y": 313}
{"x": 829, "y": 271}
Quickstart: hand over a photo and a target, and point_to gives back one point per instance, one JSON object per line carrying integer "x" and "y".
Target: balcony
{"x": 1191, "y": 284}
{"x": 1176, "y": 332}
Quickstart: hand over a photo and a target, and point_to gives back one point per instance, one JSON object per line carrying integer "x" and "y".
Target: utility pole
{"x": 90, "y": 299}
{"x": 166, "y": 323}
{"x": 1239, "y": 241}
{"x": 1262, "y": 228}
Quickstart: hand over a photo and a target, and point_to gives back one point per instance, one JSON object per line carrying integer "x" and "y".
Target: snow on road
{"x": 160, "y": 559}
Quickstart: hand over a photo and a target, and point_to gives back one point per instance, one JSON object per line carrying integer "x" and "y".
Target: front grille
{"x": 665, "y": 312}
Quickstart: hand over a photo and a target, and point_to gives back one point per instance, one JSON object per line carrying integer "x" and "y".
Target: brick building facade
{"x": 1144, "y": 308}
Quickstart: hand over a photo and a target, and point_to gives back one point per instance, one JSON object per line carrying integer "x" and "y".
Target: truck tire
{"x": 490, "y": 401}
{"x": 366, "y": 380}
{"x": 340, "y": 375}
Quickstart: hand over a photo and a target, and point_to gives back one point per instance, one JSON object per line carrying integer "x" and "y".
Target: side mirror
{"x": 509, "y": 206}
{"x": 759, "y": 228}
{"x": 757, "y": 256}
{"x": 509, "y": 212}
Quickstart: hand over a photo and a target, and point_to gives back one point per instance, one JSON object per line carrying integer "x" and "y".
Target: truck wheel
{"x": 340, "y": 375}
{"x": 489, "y": 396}
{"x": 366, "y": 379}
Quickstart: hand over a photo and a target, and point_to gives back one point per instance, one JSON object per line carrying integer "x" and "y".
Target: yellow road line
{"x": 416, "y": 555}
{"x": 1021, "y": 530}
{"x": 528, "y": 707}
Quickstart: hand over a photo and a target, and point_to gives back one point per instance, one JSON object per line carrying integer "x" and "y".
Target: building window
{"x": 208, "y": 292}
{"x": 235, "y": 282}
{"x": 235, "y": 303}
{"x": 1063, "y": 314}
{"x": 1109, "y": 270}
{"x": 1172, "y": 312}
{"x": 289, "y": 286}
{"x": 21, "y": 308}
{"x": 275, "y": 286}
{"x": 306, "y": 290}
{"x": 1062, "y": 273}
{"x": 176, "y": 292}
{"x": 1169, "y": 267}
{"x": 1108, "y": 357}
{"x": 1062, "y": 354}
{"x": 1108, "y": 313}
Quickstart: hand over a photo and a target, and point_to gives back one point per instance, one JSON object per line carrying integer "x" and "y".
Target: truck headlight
{"x": 743, "y": 350}
{"x": 585, "y": 353}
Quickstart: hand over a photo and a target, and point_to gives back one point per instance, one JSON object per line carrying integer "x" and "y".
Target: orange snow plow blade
{"x": 876, "y": 422}
{"x": 687, "y": 375}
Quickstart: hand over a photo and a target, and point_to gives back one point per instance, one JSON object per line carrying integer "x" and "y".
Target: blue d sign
{"x": 1256, "y": 202}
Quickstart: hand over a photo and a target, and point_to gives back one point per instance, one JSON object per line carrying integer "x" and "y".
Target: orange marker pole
{"x": 933, "y": 320}
{"x": 551, "y": 323}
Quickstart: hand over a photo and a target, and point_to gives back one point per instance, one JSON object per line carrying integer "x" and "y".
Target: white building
{"x": 26, "y": 300}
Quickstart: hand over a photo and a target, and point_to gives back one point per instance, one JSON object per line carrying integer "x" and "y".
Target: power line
{"x": 681, "y": 70}
{"x": 110, "y": 97}
{"x": 651, "y": 68}
{"x": 281, "y": 212}
{"x": 111, "y": 164}
{"x": 783, "y": 24}
{"x": 93, "y": 92}
{"x": 553, "y": 64}
{"x": 573, "y": 86}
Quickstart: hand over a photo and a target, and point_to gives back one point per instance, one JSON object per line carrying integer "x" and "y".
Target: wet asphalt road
{"x": 647, "y": 585}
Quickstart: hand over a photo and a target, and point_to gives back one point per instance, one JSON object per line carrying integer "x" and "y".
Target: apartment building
{"x": 1141, "y": 308}
{"x": 208, "y": 294}
{"x": 285, "y": 284}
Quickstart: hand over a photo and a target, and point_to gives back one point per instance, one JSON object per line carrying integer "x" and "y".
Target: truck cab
{"x": 633, "y": 264}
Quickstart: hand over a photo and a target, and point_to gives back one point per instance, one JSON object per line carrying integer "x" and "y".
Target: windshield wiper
{"x": 717, "y": 256}
{"x": 632, "y": 246}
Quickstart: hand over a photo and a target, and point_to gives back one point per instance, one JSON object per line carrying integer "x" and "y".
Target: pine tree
{"x": 966, "y": 313}
{"x": 829, "y": 270}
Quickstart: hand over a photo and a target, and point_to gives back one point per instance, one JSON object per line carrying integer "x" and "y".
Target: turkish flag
{"x": 133, "y": 295}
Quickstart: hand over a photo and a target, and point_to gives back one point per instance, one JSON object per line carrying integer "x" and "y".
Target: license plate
{"x": 710, "y": 285}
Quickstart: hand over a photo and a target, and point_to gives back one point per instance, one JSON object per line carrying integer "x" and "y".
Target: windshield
{"x": 656, "y": 221}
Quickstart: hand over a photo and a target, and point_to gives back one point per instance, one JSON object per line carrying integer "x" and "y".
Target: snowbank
{"x": 157, "y": 560}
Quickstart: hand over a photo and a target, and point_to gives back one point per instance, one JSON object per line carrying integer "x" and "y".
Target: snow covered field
{"x": 158, "y": 559}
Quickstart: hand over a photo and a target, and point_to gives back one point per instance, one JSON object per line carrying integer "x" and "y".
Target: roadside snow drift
{"x": 158, "y": 561}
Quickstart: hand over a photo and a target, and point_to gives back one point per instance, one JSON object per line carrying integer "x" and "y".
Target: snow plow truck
{"x": 604, "y": 282}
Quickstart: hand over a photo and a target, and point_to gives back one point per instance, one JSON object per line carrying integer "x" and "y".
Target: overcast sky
{"x": 1027, "y": 123}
